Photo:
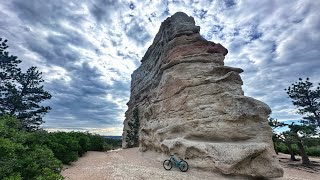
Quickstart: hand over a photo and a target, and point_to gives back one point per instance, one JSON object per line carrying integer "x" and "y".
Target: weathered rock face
{"x": 188, "y": 103}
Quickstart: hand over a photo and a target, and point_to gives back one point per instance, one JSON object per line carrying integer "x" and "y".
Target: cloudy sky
{"x": 87, "y": 50}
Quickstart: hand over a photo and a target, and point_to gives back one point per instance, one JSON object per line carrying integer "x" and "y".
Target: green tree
{"x": 21, "y": 92}
{"x": 274, "y": 123}
{"x": 284, "y": 137}
{"x": 298, "y": 133}
{"x": 8, "y": 64}
{"x": 289, "y": 139}
{"x": 307, "y": 100}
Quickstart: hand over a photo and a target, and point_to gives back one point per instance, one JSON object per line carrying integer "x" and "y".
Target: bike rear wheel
{"x": 167, "y": 164}
{"x": 183, "y": 166}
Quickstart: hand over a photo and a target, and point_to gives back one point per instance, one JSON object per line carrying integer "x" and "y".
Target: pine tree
{"x": 307, "y": 100}
{"x": 21, "y": 92}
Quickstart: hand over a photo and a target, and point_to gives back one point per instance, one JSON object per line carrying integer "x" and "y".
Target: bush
{"x": 38, "y": 161}
{"x": 295, "y": 149}
{"x": 9, "y": 159}
{"x": 64, "y": 146}
{"x": 22, "y": 156}
{"x": 48, "y": 174}
{"x": 83, "y": 141}
{"x": 313, "y": 151}
{"x": 9, "y": 126}
{"x": 39, "y": 155}
{"x": 114, "y": 143}
{"x": 68, "y": 146}
{"x": 283, "y": 148}
{"x": 13, "y": 176}
{"x": 97, "y": 142}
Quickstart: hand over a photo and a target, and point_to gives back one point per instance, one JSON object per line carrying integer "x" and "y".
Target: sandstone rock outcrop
{"x": 188, "y": 103}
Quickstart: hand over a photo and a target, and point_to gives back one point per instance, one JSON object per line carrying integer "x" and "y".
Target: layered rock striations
{"x": 188, "y": 103}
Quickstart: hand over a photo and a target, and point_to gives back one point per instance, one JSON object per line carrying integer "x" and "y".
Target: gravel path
{"x": 130, "y": 164}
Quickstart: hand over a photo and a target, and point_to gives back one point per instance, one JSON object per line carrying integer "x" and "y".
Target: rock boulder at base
{"x": 184, "y": 101}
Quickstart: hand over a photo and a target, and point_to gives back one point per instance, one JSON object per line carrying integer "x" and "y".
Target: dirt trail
{"x": 129, "y": 164}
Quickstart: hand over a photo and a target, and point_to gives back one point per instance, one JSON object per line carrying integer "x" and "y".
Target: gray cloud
{"x": 42, "y": 13}
{"x": 85, "y": 99}
{"x": 103, "y": 9}
{"x": 137, "y": 32}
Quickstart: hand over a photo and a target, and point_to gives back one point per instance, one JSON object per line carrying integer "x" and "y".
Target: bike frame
{"x": 176, "y": 160}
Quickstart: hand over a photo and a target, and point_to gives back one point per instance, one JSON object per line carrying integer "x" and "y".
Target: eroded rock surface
{"x": 190, "y": 104}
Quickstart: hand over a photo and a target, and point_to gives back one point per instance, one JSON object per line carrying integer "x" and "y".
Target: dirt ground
{"x": 129, "y": 164}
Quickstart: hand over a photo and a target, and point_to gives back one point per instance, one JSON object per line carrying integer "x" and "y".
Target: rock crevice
{"x": 191, "y": 105}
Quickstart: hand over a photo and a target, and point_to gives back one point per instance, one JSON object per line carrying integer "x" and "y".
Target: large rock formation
{"x": 188, "y": 103}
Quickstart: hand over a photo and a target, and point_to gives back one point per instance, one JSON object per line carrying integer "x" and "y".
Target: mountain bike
{"x": 181, "y": 164}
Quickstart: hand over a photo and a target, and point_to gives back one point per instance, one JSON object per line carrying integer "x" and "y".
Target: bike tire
{"x": 183, "y": 166}
{"x": 167, "y": 164}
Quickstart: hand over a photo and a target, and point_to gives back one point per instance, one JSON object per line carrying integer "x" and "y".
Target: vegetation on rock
{"x": 132, "y": 137}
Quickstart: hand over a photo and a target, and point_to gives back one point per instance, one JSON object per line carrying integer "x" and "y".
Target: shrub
{"x": 114, "y": 143}
{"x": 9, "y": 126}
{"x": 295, "y": 149}
{"x": 48, "y": 174}
{"x": 13, "y": 176}
{"x": 39, "y": 155}
{"x": 38, "y": 161}
{"x": 9, "y": 159}
{"x": 283, "y": 148}
{"x": 313, "y": 151}
{"x": 64, "y": 146}
{"x": 83, "y": 141}
{"x": 100, "y": 143}
{"x": 97, "y": 142}
{"x": 310, "y": 142}
{"x": 22, "y": 156}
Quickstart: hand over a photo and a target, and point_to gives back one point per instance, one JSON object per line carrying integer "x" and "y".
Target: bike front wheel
{"x": 183, "y": 166}
{"x": 167, "y": 164}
